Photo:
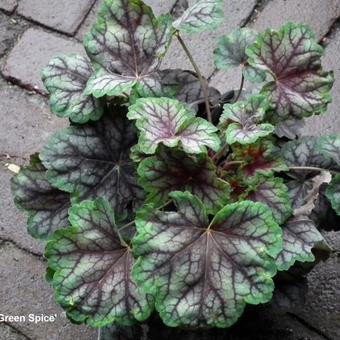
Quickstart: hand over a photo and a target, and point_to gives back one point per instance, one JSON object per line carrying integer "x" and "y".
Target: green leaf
{"x": 92, "y": 278}
{"x": 329, "y": 147}
{"x": 170, "y": 122}
{"x": 174, "y": 170}
{"x": 231, "y": 52}
{"x": 127, "y": 43}
{"x": 290, "y": 128}
{"x": 299, "y": 191}
{"x": 333, "y": 193}
{"x": 247, "y": 117}
{"x": 203, "y": 16}
{"x": 65, "y": 77}
{"x": 292, "y": 57}
{"x": 273, "y": 193}
{"x": 202, "y": 274}
{"x": 300, "y": 236}
{"x": 92, "y": 160}
{"x": 47, "y": 207}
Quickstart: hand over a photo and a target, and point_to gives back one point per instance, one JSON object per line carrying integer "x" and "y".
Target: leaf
{"x": 304, "y": 153}
{"x": 174, "y": 170}
{"x": 290, "y": 128}
{"x": 247, "y": 117}
{"x": 92, "y": 160}
{"x": 300, "y": 236}
{"x": 292, "y": 57}
{"x": 333, "y": 193}
{"x": 47, "y": 207}
{"x": 127, "y": 43}
{"x": 186, "y": 86}
{"x": 202, "y": 274}
{"x": 329, "y": 147}
{"x": 179, "y": 8}
{"x": 170, "y": 122}
{"x": 260, "y": 158}
{"x": 205, "y": 15}
{"x": 231, "y": 52}
{"x": 273, "y": 193}
{"x": 92, "y": 278}
{"x": 65, "y": 78}
{"x": 299, "y": 191}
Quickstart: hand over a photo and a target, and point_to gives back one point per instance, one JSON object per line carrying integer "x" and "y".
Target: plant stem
{"x": 219, "y": 154}
{"x": 165, "y": 204}
{"x": 232, "y": 163}
{"x": 311, "y": 168}
{"x": 199, "y": 75}
{"x": 240, "y": 90}
{"x": 127, "y": 225}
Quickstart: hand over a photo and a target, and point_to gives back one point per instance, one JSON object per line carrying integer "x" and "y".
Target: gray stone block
{"x": 61, "y": 15}
{"x": 89, "y": 21}
{"x": 8, "y": 333}
{"x": 24, "y": 291}
{"x": 8, "y": 5}
{"x": 32, "y": 53}
{"x": 26, "y": 122}
{"x": 319, "y": 15}
{"x": 10, "y": 29}
{"x": 322, "y": 308}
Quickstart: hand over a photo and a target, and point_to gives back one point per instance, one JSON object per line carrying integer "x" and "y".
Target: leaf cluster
{"x": 165, "y": 194}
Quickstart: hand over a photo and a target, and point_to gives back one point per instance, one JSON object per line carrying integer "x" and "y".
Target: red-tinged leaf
{"x": 292, "y": 57}
{"x": 174, "y": 170}
{"x": 260, "y": 158}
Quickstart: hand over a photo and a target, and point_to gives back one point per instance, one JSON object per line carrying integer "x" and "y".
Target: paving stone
{"x": 203, "y": 45}
{"x": 319, "y": 15}
{"x": 8, "y": 5}
{"x": 8, "y": 333}
{"x": 89, "y": 21}
{"x": 24, "y": 291}
{"x": 26, "y": 122}
{"x": 32, "y": 53}
{"x": 13, "y": 222}
{"x": 329, "y": 123}
{"x": 322, "y": 308}
{"x": 10, "y": 29}
{"x": 62, "y": 15}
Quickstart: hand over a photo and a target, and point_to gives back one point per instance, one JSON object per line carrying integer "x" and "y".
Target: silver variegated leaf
{"x": 65, "y": 77}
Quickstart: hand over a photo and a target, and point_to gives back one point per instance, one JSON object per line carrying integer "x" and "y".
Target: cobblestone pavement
{"x": 31, "y": 32}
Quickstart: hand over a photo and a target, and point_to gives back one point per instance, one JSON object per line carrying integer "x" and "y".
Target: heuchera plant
{"x": 166, "y": 195}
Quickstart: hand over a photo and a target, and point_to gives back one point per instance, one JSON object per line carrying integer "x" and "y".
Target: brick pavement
{"x": 31, "y": 32}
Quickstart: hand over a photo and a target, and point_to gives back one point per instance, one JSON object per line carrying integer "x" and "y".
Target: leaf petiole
{"x": 219, "y": 154}
{"x": 199, "y": 75}
{"x": 312, "y": 168}
{"x": 240, "y": 90}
